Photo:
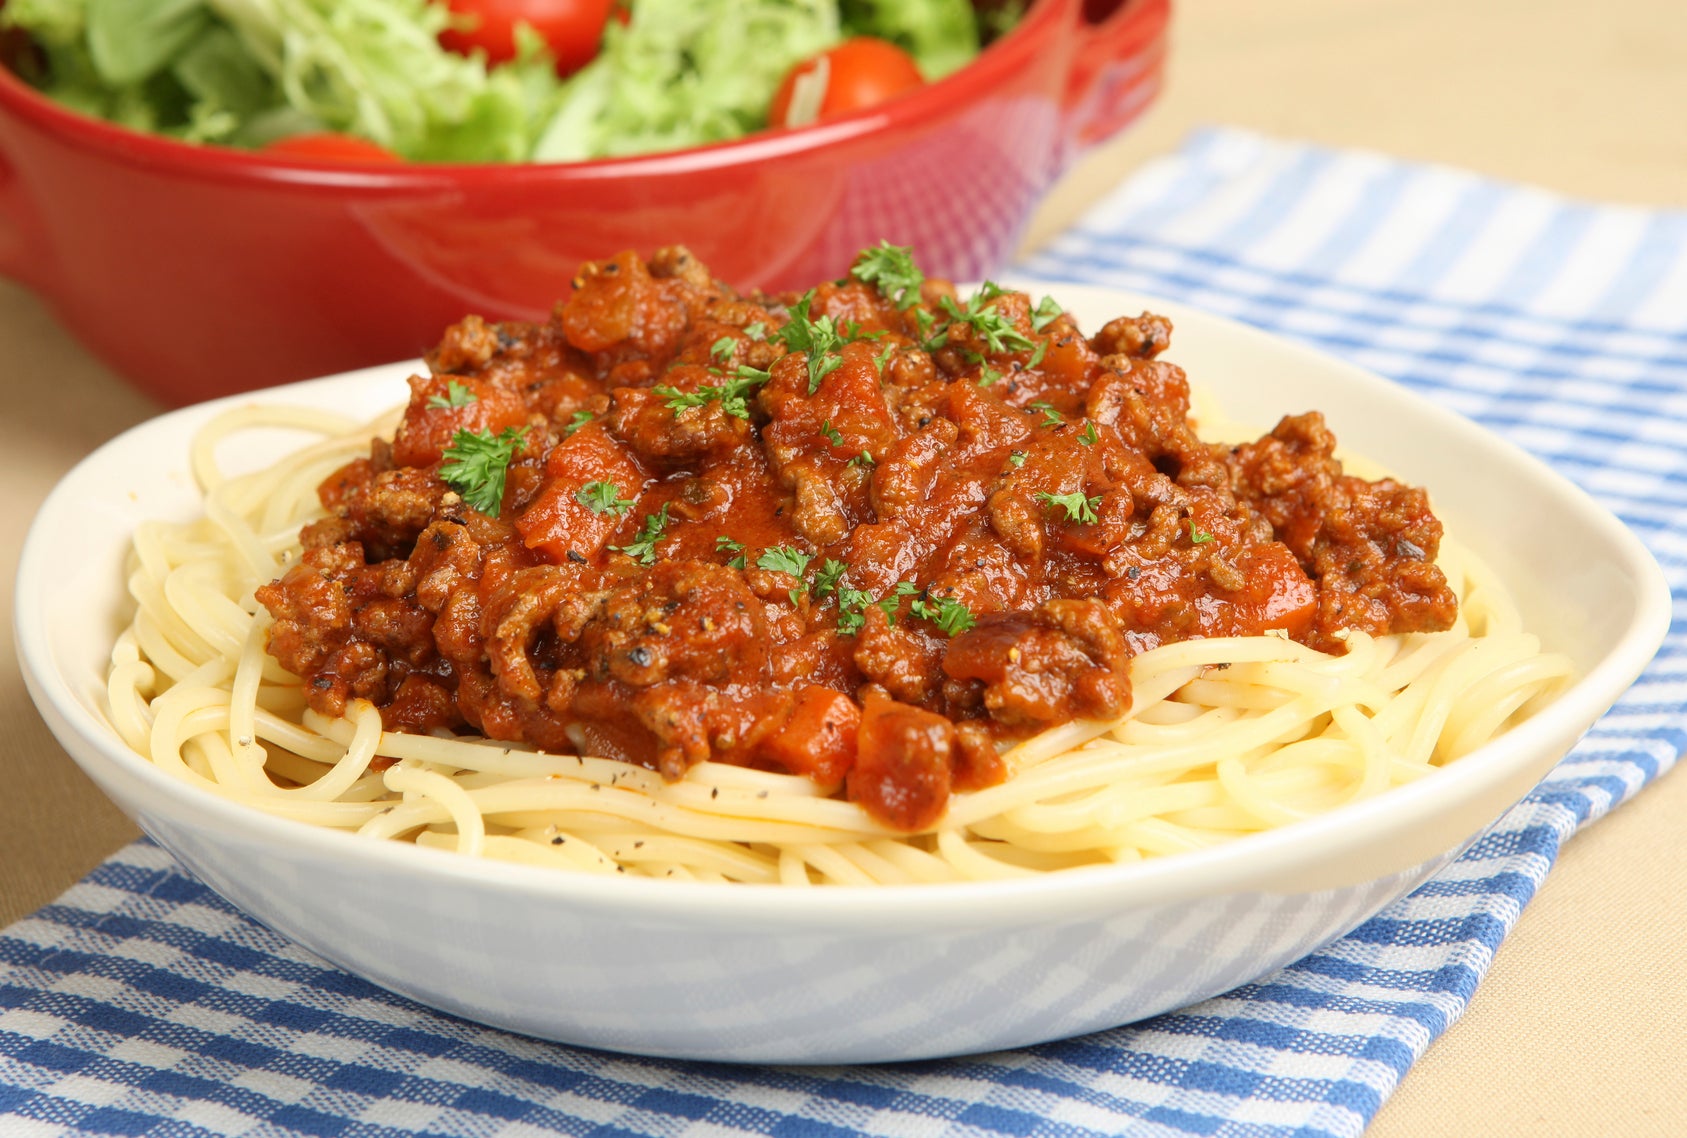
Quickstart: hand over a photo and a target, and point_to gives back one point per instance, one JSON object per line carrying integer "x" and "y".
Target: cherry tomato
{"x": 858, "y": 73}
{"x": 572, "y": 28}
{"x": 330, "y": 147}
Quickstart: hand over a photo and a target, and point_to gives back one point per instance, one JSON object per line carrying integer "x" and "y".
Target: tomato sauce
{"x": 866, "y": 535}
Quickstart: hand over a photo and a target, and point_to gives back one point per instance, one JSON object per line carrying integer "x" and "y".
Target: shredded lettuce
{"x": 245, "y": 72}
{"x": 682, "y": 73}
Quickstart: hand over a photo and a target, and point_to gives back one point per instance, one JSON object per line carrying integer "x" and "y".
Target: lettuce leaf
{"x": 130, "y": 41}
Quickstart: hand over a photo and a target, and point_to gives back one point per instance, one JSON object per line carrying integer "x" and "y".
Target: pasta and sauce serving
{"x": 874, "y": 584}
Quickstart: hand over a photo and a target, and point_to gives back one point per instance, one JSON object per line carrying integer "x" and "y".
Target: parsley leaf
{"x": 721, "y": 350}
{"x": 831, "y": 433}
{"x": 726, "y": 545}
{"x": 576, "y": 421}
{"x": 643, "y": 546}
{"x": 851, "y": 332}
{"x": 1051, "y": 417}
{"x": 925, "y": 321}
{"x": 1045, "y": 313}
{"x": 1016, "y": 459}
{"x": 756, "y": 331}
{"x": 603, "y": 498}
{"x": 816, "y": 338}
{"x": 1089, "y": 437}
{"x": 865, "y": 458}
{"x": 828, "y": 577}
{"x": 733, "y": 395}
{"x": 1197, "y": 536}
{"x": 1078, "y": 508}
{"x": 1037, "y": 356}
{"x": 949, "y": 615}
{"x": 991, "y": 324}
{"x": 476, "y": 463}
{"x": 891, "y": 269}
{"x": 456, "y": 395}
{"x": 784, "y": 559}
{"x": 893, "y": 600}
{"x": 851, "y": 603}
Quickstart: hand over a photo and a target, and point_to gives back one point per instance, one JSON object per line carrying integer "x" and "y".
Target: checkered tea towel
{"x": 141, "y": 1004}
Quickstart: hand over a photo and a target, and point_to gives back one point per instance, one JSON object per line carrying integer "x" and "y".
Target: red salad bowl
{"x": 197, "y": 271}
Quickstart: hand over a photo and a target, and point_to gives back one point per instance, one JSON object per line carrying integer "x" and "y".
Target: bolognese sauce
{"x": 867, "y": 534}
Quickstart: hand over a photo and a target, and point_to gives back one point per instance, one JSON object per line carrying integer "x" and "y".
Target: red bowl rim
{"x": 231, "y": 164}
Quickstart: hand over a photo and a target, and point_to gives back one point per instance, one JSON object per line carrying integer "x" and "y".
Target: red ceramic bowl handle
{"x": 1116, "y": 68}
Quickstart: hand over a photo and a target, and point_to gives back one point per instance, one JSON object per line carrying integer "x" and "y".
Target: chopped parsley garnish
{"x": 890, "y": 269}
{"x": 733, "y": 395}
{"x": 721, "y": 350}
{"x": 1196, "y": 535}
{"x": 1037, "y": 356}
{"x": 643, "y": 547}
{"x": 992, "y": 325}
{"x": 851, "y": 605}
{"x": 988, "y": 375}
{"x": 863, "y": 459}
{"x": 818, "y": 339}
{"x": 784, "y": 559}
{"x": 476, "y": 463}
{"x": 756, "y": 331}
{"x": 1078, "y": 508}
{"x": 1045, "y": 313}
{"x": 456, "y": 395}
{"x": 950, "y": 616}
{"x": 1051, "y": 417}
{"x": 727, "y": 545}
{"x": 831, "y": 433}
{"x": 893, "y": 600}
{"x": 603, "y": 498}
{"x": 851, "y": 331}
{"x": 1016, "y": 459}
{"x": 828, "y": 576}
{"x": 925, "y": 321}
{"x": 883, "y": 358}
{"x": 576, "y": 421}
{"x": 1089, "y": 436}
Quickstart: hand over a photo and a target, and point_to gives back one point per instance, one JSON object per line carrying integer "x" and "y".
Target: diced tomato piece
{"x": 438, "y": 410}
{"x": 902, "y": 771}
{"x": 557, "y": 523}
{"x": 818, "y": 740}
{"x": 844, "y": 417}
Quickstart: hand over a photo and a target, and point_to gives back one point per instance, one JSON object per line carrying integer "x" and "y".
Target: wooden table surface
{"x": 1581, "y": 1026}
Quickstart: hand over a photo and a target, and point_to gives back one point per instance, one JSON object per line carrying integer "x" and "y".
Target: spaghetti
{"x": 1225, "y": 736}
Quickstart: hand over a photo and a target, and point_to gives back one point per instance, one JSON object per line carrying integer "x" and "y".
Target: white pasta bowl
{"x": 845, "y": 974}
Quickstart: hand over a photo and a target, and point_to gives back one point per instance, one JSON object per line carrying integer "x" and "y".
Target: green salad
{"x": 251, "y": 73}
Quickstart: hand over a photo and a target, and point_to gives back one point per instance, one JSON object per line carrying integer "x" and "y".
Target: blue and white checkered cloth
{"x": 141, "y": 1004}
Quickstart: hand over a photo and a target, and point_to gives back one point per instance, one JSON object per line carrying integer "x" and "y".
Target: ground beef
{"x": 864, "y": 536}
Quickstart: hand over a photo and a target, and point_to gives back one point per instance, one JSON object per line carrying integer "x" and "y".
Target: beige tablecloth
{"x": 1581, "y": 1027}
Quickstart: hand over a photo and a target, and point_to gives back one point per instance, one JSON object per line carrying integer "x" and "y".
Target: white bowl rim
{"x": 1204, "y": 872}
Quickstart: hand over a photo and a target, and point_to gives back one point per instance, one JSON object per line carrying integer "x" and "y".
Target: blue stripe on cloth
{"x": 1475, "y": 208}
{"x": 140, "y": 1004}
